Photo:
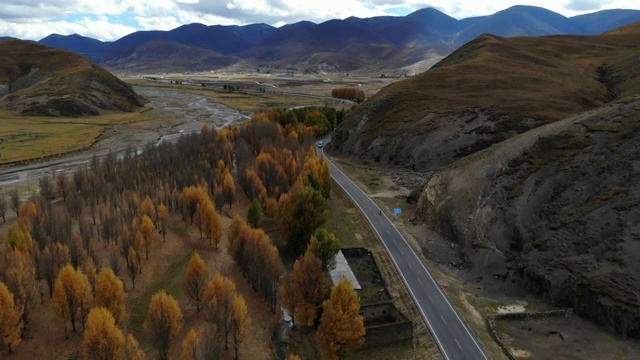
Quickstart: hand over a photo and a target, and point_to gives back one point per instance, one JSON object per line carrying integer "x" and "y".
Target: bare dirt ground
{"x": 475, "y": 299}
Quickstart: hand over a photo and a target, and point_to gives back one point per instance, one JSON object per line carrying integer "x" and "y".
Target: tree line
{"x": 348, "y": 93}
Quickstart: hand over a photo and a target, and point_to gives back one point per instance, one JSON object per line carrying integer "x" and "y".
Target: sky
{"x": 110, "y": 20}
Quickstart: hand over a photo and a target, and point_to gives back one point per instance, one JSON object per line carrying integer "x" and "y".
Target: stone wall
{"x": 384, "y": 324}
{"x": 388, "y": 334}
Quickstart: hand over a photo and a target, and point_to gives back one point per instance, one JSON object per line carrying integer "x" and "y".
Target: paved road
{"x": 451, "y": 334}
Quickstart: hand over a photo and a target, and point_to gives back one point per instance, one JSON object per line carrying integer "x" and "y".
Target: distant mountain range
{"x": 378, "y": 43}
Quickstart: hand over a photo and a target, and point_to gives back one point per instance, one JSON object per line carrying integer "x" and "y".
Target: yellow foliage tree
{"x": 214, "y": 227}
{"x": 195, "y": 280}
{"x": 163, "y": 220}
{"x": 20, "y": 277}
{"x": 72, "y": 296}
{"x": 190, "y": 346}
{"x": 218, "y": 303}
{"x": 10, "y": 319}
{"x": 146, "y": 230}
{"x": 103, "y": 340}
{"x": 228, "y": 188}
{"x": 311, "y": 285}
{"x": 164, "y": 322}
{"x": 237, "y": 224}
{"x": 134, "y": 266}
{"x": 239, "y": 326}
{"x": 19, "y": 238}
{"x": 132, "y": 350}
{"x": 110, "y": 294}
{"x": 341, "y": 329}
{"x": 147, "y": 208}
{"x": 289, "y": 295}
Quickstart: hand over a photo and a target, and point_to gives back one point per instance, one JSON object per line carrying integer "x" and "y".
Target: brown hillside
{"x": 39, "y": 80}
{"x": 164, "y": 55}
{"x": 502, "y": 86}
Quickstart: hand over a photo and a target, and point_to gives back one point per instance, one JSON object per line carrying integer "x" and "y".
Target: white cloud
{"x": 98, "y": 29}
{"x": 157, "y": 23}
{"x": 32, "y": 19}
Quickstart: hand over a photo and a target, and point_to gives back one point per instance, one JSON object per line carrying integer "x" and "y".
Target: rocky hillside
{"x": 533, "y": 144}
{"x": 39, "y": 80}
{"x": 556, "y": 210}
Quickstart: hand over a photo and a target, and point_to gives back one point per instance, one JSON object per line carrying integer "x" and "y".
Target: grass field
{"x": 30, "y": 137}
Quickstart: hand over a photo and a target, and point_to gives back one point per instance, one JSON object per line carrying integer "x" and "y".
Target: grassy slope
{"x": 547, "y": 78}
{"x": 42, "y": 76}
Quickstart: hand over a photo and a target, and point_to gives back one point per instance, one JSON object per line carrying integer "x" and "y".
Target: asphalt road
{"x": 451, "y": 334}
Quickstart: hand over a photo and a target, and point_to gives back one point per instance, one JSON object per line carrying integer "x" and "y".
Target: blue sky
{"x": 111, "y": 19}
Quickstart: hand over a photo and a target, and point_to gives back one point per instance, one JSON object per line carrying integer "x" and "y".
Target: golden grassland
{"x": 30, "y": 137}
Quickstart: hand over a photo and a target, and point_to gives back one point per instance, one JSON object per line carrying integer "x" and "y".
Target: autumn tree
{"x": 239, "y": 323}
{"x": 308, "y": 214}
{"x": 195, "y": 280}
{"x": 109, "y": 293}
{"x": 20, "y": 277}
{"x": 341, "y": 329}
{"x": 163, "y": 220}
{"x": 62, "y": 183}
{"x": 132, "y": 349}
{"x": 253, "y": 214}
{"x": 325, "y": 246}
{"x": 289, "y": 295}
{"x": 271, "y": 207}
{"x": 259, "y": 260}
{"x": 10, "y": 319}
{"x": 72, "y": 296}
{"x": 294, "y": 357}
{"x": 19, "y": 238}
{"x": 147, "y": 208}
{"x": 163, "y": 323}
{"x": 211, "y": 341}
{"x": 311, "y": 283}
{"x": 102, "y": 340}
{"x": 146, "y": 229}
{"x": 190, "y": 345}
{"x": 213, "y": 225}
{"x": 218, "y": 304}
{"x": 134, "y": 265}
{"x": 233, "y": 245}
{"x": 228, "y": 188}
{"x": 49, "y": 267}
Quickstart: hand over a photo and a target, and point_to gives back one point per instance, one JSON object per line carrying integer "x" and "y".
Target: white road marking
{"x": 443, "y": 320}
{"x": 430, "y": 299}
{"x": 420, "y": 281}
{"x": 457, "y": 343}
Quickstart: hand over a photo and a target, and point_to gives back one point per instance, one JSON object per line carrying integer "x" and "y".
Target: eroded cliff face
{"x": 556, "y": 209}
